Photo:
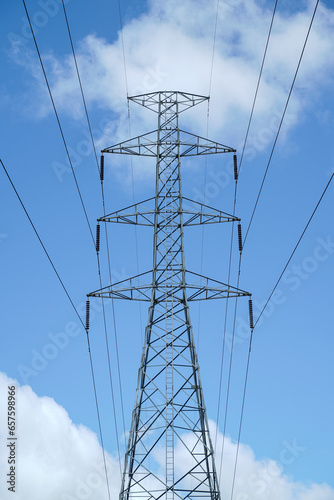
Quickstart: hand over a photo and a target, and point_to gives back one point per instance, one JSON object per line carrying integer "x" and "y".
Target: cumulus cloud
{"x": 58, "y": 460}
{"x": 170, "y": 47}
{"x": 55, "y": 459}
{"x": 267, "y": 479}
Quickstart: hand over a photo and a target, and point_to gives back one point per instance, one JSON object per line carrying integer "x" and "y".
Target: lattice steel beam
{"x": 169, "y": 417}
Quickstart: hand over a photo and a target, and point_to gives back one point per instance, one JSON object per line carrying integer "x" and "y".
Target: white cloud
{"x": 266, "y": 479}
{"x": 58, "y": 460}
{"x": 170, "y": 47}
{"x": 55, "y": 459}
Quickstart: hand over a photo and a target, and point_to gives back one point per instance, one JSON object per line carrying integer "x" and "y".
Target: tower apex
{"x": 182, "y": 100}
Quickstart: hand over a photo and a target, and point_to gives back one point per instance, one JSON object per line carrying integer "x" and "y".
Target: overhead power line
{"x": 41, "y": 243}
{"x": 296, "y": 246}
{"x": 80, "y": 196}
{"x": 262, "y": 311}
{"x": 130, "y": 134}
{"x": 214, "y": 46}
{"x": 282, "y": 119}
{"x": 229, "y": 372}
{"x": 225, "y": 328}
{"x": 58, "y": 121}
{"x": 98, "y": 257}
{"x": 206, "y": 158}
{"x": 81, "y": 89}
{"x": 76, "y": 312}
{"x": 123, "y": 48}
{"x": 239, "y": 267}
{"x": 242, "y": 413}
{"x": 258, "y": 84}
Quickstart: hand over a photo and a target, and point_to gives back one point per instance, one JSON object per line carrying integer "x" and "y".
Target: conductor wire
{"x": 58, "y": 121}
{"x": 78, "y": 315}
{"x": 282, "y": 119}
{"x": 99, "y": 263}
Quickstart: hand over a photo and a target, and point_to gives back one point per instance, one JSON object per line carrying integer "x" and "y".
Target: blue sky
{"x": 289, "y": 396}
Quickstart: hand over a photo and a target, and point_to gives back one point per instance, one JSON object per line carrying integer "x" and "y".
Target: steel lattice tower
{"x": 170, "y": 453}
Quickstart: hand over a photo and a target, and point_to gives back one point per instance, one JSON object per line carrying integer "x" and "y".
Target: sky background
{"x": 287, "y": 439}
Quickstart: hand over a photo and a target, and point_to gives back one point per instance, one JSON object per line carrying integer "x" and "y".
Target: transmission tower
{"x": 169, "y": 454}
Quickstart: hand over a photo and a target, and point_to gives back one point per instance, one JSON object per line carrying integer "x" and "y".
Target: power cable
{"x": 242, "y": 155}
{"x": 281, "y": 122}
{"x": 228, "y": 280}
{"x": 214, "y": 46}
{"x": 123, "y": 49}
{"x": 40, "y": 241}
{"x": 296, "y": 246}
{"x": 65, "y": 144}
{"x": 242, "y": 413}
{"x": 258, "y": 84}
{"x": 206, "y": 158}
{"x": 203, "y": 227}
{"x": 229, "y": 373}
{"x": 130, "y": 133}
{"x": 226, "y": 315}
{"x": 235, "y": 198}
{"x": 81, "y": 89}
{"x": 98, "y": 258}
{"x": 58, "y": 121}
{"x": 76, "y": 312}
{"x": 262, "y": 311}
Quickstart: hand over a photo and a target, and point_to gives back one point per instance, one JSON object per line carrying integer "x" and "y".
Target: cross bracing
{"x": 169, "y": 454}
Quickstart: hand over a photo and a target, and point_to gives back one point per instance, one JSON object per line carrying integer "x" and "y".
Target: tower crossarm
{"x": 202, "y": 288}
{"x": 187, "y": 145}
{"x": 195, "y": 145}
{"x": 194, "y": 214}
{"x": 143, "y": 145}
{"x": 196, "y": 287}
{"x": 155, "y": 100}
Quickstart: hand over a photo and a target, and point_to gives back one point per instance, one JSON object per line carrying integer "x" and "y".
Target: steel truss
{"x": 170, "y": 453}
